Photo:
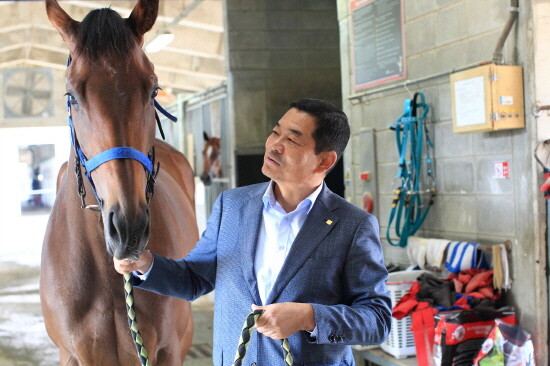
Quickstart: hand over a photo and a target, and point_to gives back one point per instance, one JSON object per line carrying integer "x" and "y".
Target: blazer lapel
{"x": 320, "y": 221}
{"x": 248, "y": 238}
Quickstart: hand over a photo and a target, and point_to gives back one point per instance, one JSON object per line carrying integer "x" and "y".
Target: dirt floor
{"x": 23, "y": 338}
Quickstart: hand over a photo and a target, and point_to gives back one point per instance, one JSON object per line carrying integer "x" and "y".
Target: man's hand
{"x": 142, "y": 264}
{"x": 279, "y": 321}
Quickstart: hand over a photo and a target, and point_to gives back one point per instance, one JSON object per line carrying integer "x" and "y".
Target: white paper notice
{"x": 470, "y": 101}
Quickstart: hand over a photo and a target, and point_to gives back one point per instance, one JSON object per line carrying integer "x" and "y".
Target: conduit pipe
{"x": 514, "y": 10}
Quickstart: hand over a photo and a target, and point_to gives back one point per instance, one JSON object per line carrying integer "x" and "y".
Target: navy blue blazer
{"x": 335, "y": 263}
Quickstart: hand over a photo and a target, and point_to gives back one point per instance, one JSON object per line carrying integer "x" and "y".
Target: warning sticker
{"x": 502, "y": 170}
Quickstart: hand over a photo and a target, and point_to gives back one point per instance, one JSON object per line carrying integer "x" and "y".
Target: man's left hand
{"x": 279, "y": 321}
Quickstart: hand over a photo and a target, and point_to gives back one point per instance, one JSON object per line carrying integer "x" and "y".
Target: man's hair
{"x": 332, "y": 130}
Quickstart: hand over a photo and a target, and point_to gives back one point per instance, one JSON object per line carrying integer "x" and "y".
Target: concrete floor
{"x": 23, "y": 338}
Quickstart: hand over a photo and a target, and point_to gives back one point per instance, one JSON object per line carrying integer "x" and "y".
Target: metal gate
{"x": 208, "y": 112}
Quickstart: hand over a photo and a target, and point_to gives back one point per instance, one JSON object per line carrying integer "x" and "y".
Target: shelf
{"x": 378, "y": 357}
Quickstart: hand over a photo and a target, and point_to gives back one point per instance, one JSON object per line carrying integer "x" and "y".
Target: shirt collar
{"x": 269, "y": 197}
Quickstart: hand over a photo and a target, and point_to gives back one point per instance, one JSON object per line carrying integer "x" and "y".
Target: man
{"x": 312, "y": 261}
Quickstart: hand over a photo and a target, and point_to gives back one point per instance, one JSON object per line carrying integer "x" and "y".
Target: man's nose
{"x": 277, "y": 145}
{"x": 277, "y": 148}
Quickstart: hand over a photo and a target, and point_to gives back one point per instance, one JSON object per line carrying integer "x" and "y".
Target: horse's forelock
{"x": 103, "y": 33}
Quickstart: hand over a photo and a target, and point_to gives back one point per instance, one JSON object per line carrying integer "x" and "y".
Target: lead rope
{"x": 132, "y": 322}
{"x": 248, "y": 328}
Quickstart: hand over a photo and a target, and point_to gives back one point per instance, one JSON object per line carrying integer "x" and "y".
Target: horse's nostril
{"x": 127, "y": 231}
{"x": 112, "y": 226}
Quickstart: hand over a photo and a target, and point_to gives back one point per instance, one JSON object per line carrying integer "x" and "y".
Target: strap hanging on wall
{"x": 413, "y": 140}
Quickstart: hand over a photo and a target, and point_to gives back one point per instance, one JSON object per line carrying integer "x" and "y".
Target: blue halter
{"x": 126, "y": 152}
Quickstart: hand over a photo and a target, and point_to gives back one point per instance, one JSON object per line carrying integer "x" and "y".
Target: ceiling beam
{"x": 30, "y": 62}
{"x": 38, "y": 63}
{"x": 61, "y": 50}
{"x": 184, "y": 51}
{"x": 30, "y": 45}
{"x": 185, "y": 12}
{"x": 26, "y": 26}
{"x": 191, "y": 73}
{"x": 56, "y": 66}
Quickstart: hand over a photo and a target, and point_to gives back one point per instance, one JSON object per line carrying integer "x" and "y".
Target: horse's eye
{"x": 72, "y": 99}
{"x": 155, "y": 93}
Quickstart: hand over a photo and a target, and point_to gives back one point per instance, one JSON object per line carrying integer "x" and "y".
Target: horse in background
{"x": 111, "y": 87}
{"x": 211, "y": 158}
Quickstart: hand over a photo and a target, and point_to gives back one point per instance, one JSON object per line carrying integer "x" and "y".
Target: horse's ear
{"x": 143, "y": 17}
{"x": 65, "y": 25}
{"x": 205, "y": 136}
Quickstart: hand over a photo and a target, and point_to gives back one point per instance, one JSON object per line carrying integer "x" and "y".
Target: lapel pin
{"x": 329, "y": 222}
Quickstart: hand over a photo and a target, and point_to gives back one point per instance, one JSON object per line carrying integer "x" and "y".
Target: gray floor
{"x": 23, "y": 338}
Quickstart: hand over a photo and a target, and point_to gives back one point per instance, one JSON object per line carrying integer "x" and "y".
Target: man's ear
{"x": 328, "y": 159}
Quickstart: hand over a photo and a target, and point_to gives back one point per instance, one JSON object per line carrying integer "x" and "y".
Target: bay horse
{"x": 211, "y": 159}
{"x": 111, "y": 87}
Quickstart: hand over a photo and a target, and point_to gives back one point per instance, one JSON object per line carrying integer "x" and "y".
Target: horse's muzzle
{"x": 206, "y": 179}
{"x": 126, "y": 231}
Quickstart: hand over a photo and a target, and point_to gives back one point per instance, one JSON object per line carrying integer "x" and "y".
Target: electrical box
{"x": 487, "y": 98}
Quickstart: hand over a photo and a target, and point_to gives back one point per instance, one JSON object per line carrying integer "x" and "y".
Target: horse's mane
{"x": 103, "y": 33}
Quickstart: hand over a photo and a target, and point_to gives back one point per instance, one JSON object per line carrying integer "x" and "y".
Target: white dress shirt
{"x": 277, "y": 233}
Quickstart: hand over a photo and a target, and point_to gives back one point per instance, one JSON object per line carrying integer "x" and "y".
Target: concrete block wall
{"x": 472, "y": 205}
{"x": 278, "y": 51}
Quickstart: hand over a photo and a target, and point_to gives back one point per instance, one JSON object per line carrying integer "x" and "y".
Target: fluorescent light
{"x": 159, "y": 42}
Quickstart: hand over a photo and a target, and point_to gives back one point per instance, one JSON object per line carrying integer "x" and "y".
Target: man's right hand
{"x": 142, "y": 264}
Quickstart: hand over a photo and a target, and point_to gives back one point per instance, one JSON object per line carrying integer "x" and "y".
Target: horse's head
{"x": 211, "y": 157}
{"x": 110, "y": 86}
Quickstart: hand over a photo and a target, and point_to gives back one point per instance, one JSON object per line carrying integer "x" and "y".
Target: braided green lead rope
{"x": 248, "y": 327}
{"x": 132, "y": 321}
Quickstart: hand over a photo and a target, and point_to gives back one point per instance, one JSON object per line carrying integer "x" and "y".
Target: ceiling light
{"x": 159, "y": 42}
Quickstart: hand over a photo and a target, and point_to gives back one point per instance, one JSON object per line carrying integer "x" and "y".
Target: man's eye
{"x": 274, "y": 132}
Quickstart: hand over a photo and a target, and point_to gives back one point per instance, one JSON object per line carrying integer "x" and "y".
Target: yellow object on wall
{"x": 487, "y": 98}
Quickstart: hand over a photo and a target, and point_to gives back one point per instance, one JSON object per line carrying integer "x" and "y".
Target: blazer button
{"x": 253, "y": 364}
{"x": 340, "y": 338}
{"x": 332, "y": 338}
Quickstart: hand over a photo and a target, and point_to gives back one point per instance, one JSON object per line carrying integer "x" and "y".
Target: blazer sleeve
{"x": 364, "y": 317}
{"x": 193, "y": 276}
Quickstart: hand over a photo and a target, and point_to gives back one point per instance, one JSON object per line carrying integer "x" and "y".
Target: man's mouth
{"x": 272, "y": 159}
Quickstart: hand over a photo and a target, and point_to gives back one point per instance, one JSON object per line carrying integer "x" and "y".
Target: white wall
{"x": 21, "y": 236}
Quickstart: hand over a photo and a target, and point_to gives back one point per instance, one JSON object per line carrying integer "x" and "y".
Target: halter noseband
{"x": 125, "y": 152}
